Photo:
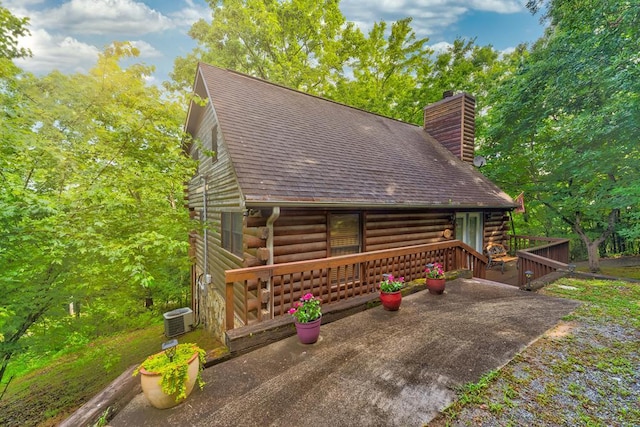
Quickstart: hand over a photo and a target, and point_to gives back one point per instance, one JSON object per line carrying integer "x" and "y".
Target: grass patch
{"x": 614, "y": 301}
{"x": 632, "y": 272}
{"x": 46, "y": 396}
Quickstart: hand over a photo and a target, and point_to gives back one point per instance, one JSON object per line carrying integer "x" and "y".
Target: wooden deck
{"x": 261, "y": 293}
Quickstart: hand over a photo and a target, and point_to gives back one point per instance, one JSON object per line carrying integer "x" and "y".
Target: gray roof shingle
{"x": 288, "y": 147}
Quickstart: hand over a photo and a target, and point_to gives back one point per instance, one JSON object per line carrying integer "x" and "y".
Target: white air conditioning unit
{"x": 178, "y": 321}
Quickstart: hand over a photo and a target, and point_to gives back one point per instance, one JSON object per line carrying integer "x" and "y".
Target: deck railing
{"x": 539, "y": 255}
{"x": 260, "y": 293}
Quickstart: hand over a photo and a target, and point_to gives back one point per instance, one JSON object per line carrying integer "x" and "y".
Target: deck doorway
{"x": 469, "y": 229}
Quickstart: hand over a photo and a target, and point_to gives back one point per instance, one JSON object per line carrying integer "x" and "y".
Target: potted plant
{"x": 435, "y": 278}
{"x": 390, "y": 292}
{"x": 308, "y": 316}
{"x": 168, "y": 377}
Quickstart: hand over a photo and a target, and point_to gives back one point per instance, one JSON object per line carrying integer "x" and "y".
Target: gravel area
{"x": 585, "y": 372}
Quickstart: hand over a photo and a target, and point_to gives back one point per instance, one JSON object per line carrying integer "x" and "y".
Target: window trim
{"x": 232, "y": 233}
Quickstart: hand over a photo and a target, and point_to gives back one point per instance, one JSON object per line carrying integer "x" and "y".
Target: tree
{"x": 91, "y": 203}
{"x": 564, "y": 127}
{"x": 11, "y": 28}
{"x": 384, "y": 68}
{"x": 297, "y": 43}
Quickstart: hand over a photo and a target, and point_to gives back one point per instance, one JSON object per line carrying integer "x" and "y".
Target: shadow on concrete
{"x": 372, "y": 368}
{"x": 509, "y": 276}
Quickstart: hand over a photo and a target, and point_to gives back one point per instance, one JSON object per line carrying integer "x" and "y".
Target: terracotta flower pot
{"x": 150, "y": 382}
{"x": 391, "y": 300}
{"x": 436, "y": 286}
{"x": 308, "y": 333}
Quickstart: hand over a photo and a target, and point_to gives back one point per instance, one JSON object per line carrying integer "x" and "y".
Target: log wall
{"x": 390, "y": 230}
{"x": 496, "y": 228}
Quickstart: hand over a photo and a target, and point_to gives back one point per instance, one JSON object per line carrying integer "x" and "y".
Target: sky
{"x": 68, "y": 35}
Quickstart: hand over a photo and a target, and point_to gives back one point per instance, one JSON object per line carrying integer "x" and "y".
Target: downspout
{"x": 204, "y": 284}
{"x": 275, "y": 214}
{"x": 204, "y": 220}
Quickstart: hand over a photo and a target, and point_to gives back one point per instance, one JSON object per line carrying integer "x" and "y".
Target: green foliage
{"x": 385, "y": 66}
{"x": 391, "y": 283}
{"x": 91, "y": 206}
{"x": 570, "y": 142}
{"x": 309, "y": 46}
{"x": 298, "y": 43}
{"x": 11, "y": 28}
{"x": 307, "y": 309}
{"x": 174, "y": 371}
{"x": 60, "y": 384}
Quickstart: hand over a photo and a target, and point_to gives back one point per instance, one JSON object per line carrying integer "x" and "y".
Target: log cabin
{"x": 285, "y": 177}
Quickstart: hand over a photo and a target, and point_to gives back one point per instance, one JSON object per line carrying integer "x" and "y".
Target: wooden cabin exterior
{"x": 285, "y": 177}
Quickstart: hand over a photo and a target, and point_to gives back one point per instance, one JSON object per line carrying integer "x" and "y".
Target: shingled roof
{"x": 290, "y": 148}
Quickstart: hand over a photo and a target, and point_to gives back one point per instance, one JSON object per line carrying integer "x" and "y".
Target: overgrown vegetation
{"x": 47, "y": 395}
{"x": 582, "y": 373}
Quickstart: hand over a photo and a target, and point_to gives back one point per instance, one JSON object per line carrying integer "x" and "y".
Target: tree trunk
{"x": 592, "y": 246}
{"x": 594, "y": 257}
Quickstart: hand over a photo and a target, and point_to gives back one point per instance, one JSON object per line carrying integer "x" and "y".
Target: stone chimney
{"x": 451, "y": 121}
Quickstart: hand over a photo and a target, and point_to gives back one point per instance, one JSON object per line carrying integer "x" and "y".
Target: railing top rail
{"x": 540, "y": 259}
{"x": 556, "y": 242}
{"x": 547, "y": 239}
{"x": 316, "y": 264}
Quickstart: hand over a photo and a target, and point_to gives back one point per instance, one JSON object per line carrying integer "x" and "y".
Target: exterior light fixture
{"x": 169, "y": 349}
{"x": 528, "y": 274}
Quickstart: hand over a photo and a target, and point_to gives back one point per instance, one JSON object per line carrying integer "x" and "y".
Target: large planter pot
{"x": 391, "y": 300}
{"x": 150, "y": 382}
{"x": 436, "y": 286}
{"x": 308, "y": 333}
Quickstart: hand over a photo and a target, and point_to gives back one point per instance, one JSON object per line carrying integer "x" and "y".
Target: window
{"x": 232, "y": 232}
{"x": 344, "y": 239}
{"x": 344, "y": 233}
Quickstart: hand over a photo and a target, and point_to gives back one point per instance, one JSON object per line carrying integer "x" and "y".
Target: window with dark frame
{"x": 344, "y": 239}
{"x": 344, "y": 234}
{"x": 231, "y": 225}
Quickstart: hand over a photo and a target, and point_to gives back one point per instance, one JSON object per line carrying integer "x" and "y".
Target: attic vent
{"x": 178, "y": 321}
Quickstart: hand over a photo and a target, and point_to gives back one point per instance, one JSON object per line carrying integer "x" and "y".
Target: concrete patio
{"x": 372, "y": 368}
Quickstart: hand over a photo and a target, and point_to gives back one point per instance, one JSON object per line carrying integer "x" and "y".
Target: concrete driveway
{"x": 374, "y": 368}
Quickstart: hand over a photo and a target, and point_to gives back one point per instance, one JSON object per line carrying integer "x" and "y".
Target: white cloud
{"x": 429, "y": 16}
{"x": 498, "y": 6}
{"x": 124, "y": 17}
{"x": 62, "y": 53}
{"x": 507, "y": 51}
{"x": 146, "y": 50}
{"x": 440, "y": 47}
{"x": 187, "y": 16}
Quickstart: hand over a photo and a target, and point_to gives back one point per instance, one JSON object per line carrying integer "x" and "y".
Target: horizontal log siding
{"x": 397, "y": 229}
{"x": 299, "y": 235}
{"x": 223, "y": 194}
{"x": 496, "y": 228}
